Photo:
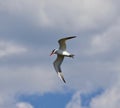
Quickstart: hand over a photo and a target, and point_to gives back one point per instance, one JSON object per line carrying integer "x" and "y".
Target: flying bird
{"x": 61, "y": 53}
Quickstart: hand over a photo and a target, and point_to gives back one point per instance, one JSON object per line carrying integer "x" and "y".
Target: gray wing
{"x": 58, "y": 62}
{"x": 62, "y": 42}
{"x": 57, "y": 67}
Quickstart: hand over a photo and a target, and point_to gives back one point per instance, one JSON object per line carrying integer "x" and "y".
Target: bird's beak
{"x": 51, "y": 53}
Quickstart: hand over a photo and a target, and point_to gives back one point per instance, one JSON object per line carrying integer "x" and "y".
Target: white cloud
{"x": 15, "y": 81}
{"x": 110, "y": 99}
{"x": 31, "y": 10}
{"x": 81, "y": 14}
{"x": 75, "y": 101}
{"x": 8, "y": 48}
{"x": 6, "y": 100}
{"x": 69, "y": 15}
{"x": 90, "y": 75}
{"x": 29, "y": 80}
{"x": 109, "y": 40}
{"x": 23, "y": 105}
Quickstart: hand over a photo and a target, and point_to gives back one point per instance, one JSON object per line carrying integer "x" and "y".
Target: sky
{"x": 29, "y": 31}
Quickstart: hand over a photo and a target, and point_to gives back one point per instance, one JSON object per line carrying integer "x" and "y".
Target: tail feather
{"x": 72, "y": 55}
{"x": 61, "y": 77}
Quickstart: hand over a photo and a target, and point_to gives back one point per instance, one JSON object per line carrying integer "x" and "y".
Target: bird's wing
{"x": 57, "y": 67}
{"x": 62, "y": 42}
{"x": 58, "y": 62}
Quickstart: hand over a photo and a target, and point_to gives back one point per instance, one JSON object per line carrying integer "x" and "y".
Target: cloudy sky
{"x": 29, "y": 30}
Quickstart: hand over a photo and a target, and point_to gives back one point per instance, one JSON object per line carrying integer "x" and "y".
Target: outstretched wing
{"x": 62, "y": 42}
{"x": 58, "y": 62}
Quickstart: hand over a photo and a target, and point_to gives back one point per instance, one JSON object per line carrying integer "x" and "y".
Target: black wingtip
{"x": 61, "y": 77}
{"x": 64, "y": 81}
{"x": 70, "y": 37}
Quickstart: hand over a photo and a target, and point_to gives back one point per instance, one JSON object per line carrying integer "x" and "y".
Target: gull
{"x": 61, "y": 53}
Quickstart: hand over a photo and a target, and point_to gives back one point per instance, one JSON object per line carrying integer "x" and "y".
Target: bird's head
{"x": 53, "y": 52}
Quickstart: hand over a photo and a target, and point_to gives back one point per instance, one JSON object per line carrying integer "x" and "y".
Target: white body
{"x": 64, "y": 53}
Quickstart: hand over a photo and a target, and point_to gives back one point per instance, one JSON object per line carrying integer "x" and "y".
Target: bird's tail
{"x": 61, "y": 77}
{"x": 72, "y": 55}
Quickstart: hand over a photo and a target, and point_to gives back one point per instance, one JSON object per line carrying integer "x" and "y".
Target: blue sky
{"x": 29, "y": 31}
